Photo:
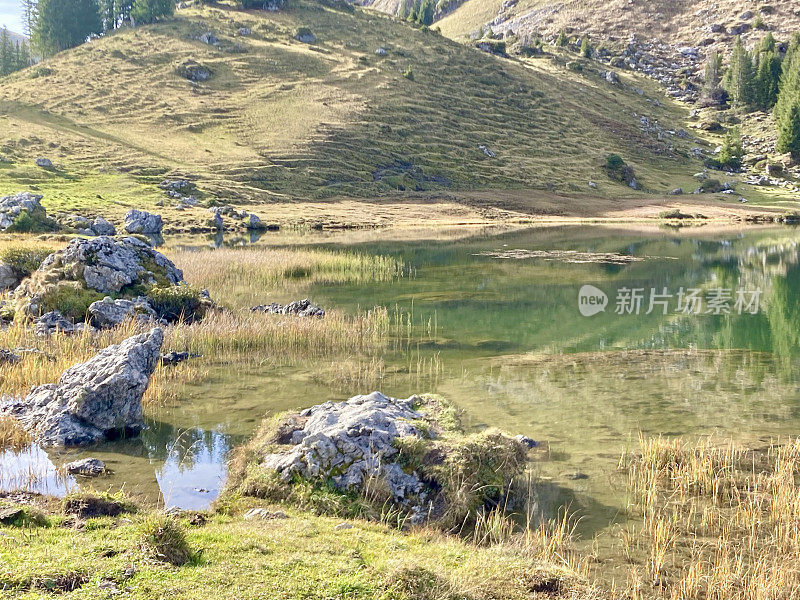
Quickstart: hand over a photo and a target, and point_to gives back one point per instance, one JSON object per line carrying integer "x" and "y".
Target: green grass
{"x": 287, "y": 121}
{"x": 302, "y": 556}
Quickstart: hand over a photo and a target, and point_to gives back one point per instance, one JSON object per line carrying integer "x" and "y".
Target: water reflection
{"x": 32, "y": 470}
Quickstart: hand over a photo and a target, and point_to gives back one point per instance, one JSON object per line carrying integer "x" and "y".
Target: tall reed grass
{"x": 719, "y": 522}
{"x": 245, "y": 277}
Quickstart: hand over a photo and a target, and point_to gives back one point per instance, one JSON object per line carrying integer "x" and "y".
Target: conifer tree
{"x": 768, "y": 79}
{"x": 739, "y": 80}
{"x": 789, "y": 132}
{"x": 62, "y": 24}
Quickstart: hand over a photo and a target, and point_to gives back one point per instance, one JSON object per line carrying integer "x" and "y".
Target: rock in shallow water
{"x": 92, "y": 401}
{"x": 139, "y": 221}
{"x": 88, "y": 467}
{"x": 301, "y": 308}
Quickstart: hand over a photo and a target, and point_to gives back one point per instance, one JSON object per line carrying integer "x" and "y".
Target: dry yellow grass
{"x": 12, "y": 435}
{"x": 719, "y": 521}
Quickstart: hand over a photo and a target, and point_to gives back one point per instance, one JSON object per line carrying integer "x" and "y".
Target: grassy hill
{"x": 678, "y": 22}
{"x": 282, "y": 121}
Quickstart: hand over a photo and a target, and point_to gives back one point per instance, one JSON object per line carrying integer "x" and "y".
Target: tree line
{"x": 767, "y": 79}
{"x": 56, "y": 25}
{"x": 14, "y": 54}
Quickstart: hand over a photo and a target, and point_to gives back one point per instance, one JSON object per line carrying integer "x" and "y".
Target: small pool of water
{"x": 508, "y": 343}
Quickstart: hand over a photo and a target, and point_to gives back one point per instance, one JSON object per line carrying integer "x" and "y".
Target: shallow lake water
{"x": 504, "y": 338}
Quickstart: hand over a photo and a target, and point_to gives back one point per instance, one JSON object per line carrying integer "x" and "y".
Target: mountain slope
{"x": 282, "y": 120}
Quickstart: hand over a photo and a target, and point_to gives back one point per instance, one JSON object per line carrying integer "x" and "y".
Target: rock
{"x": 746, "y": 15}
{"x": 175, "y": 184}
{"x": 486, "y": 151}
{"x": 301, "y": 308}
{"x": 216, "y": 220}
{"x": 716, "y": 28}
{"x": 11, "y": 207}
{"x": 103, "y": 264}
{"x": 381, "y": 51}
{"x": 353, "y": 446}
{"x": 101, "y": 226}
{"x": 593, "y": 185}
{"x": 108, "y": 313}
{"x": 139, "y": 221}
{"x": 343, "y": 526}
{"x": 305, "y": 35}
{"x": 193, "y": 71}
{"x": 676, "y": 192}
{"x": 612, "y": 77}
{"x": 264, "y": 514}
{"x": 7, "y": 357}
{"x": 254, "y": 222}
{"x": 97, "y": 400}
{"x": 173, "y": 358}
{"x": 243, "y": 31}
{"x": 9, "y": 514}
{"x": 45, "y": 163}
{"x": 8, "y": 277}
{"x": 526, "y": 441}
{"x": 88, "y": 467}
{"x": 209, "y": 38}
{"x": 740, "y": 29}
{"x": 53, "y": 321}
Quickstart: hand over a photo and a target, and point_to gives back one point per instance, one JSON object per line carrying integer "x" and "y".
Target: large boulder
{"x": 96, "y": 266}
{"x": 101, "y": 226}
{"x": 406, "y": 452}
{"x": 11, "y": 207}
{"x": 140, "y": 221}
{"x": 94, "y": 401}
{"x": 107, "y": 313}
{"x": 8, "y": 277}
{"x": 300, "y": 308}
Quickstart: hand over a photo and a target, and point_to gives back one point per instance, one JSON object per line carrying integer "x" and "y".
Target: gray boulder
{"x": 45, "y": 163}
{"x": 254, "y": 222}
{"x": 139, "y": 221}
{"x": 8, "y": 277}
{"x": 107, "y": 313}
{"x": 97, "y": 400}
{"x": 351, "y": 441}
{"x": 101, "y": 226}
{"x": 103, "y": 264}
{"x": 12, "y": 206}
{"x": 300, "y": 308}
{"x": 209, "y": 38}
{"x": 53, "y": 322}
{"x": 88, "y": 467}
{"x": 305, "y": 35}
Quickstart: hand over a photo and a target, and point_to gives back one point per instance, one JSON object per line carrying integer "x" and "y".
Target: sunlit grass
{"x": 241, "y": 278}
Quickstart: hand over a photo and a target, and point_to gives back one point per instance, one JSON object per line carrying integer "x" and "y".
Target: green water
{"x": 504, "y": 340}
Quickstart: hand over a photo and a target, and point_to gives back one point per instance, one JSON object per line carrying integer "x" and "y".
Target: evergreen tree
{"x": 586, "y": 47}
{"x": 28, "y": 16}
{"x": 732, "y": 150}
{"x": 147, "y": 11}
{"x": 767, "y": 79}
{"x": 789, "y": 132}
{"x": 767, "y": 44}
{"x": 789, "y": 86}
{"x": 739, "y": 80}
{"x": 712, "y": 92}
{"x": 6, "y": 53}
{"x": 62, "y": 24}
{"x": 562, "y": 39}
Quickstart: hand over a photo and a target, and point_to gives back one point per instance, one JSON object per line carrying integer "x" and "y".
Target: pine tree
{"x": 789, "y": 132}
{"x": 562, "y": 39}
{"x": 739, "y": 80}
{"x": 147, "y": 11}
{"x": 28, "y": 16}
{"x": 732, "y": 150}
{"x": 62, "y": 24}
{"x": 789, "y": 86}
{"x": 767, "y": 44}
{"x": 586, "y": 47}
{"x": 767, "y": 79}
{"x": 713, "y": 93}
{"x": 6, "y": 53}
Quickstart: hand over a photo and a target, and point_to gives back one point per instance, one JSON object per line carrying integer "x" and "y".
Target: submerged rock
{"x": 88, "y": 467}
{"x": 170, "y": 359}
{"x": 93, "y": 401}
{"x": 399, "y": 451}
{"x": 301, "y": 308}
{"x": 140, "y": 221}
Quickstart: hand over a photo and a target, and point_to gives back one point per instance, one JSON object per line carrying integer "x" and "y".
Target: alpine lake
{"x": 695, "y": 333}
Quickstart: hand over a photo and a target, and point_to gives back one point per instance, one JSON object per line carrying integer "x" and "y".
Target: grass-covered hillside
{"x": 282, "y": 120}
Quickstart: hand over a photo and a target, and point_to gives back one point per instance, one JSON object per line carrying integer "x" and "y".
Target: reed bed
{"x": 719, "y": 522}
{"x": 245, "y": 277}
{"x": 12, "y": 435}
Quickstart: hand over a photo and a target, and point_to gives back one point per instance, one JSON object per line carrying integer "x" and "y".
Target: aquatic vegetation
{"x": 718, "y": 520}
{"x": 241, "y": 278}
{"x": 12, "y": 435}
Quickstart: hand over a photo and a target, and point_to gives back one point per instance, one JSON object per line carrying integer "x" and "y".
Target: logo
{"x": 591, "y": 300}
